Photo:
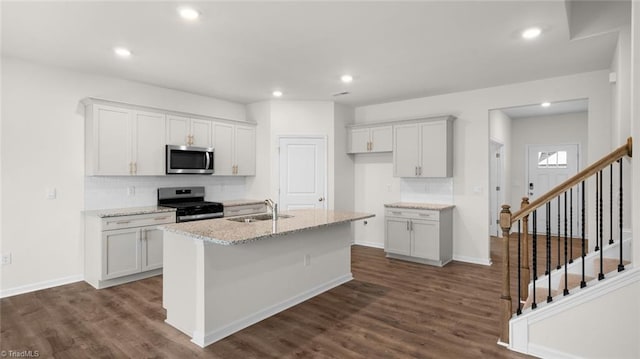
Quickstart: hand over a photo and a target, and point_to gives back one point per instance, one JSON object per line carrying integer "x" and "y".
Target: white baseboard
{"x": 544, "y": 352}
{"x": 40, "y": 285}
{"x": 370, "y": 244}
{"x": 473, "y": 260}
{"x": 203, "y": 340}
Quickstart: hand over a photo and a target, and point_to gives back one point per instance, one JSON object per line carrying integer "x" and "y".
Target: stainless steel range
{"x": 189, "y": 203}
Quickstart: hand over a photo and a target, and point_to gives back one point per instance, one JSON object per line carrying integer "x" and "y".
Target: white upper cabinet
{"x": 245, "y": 150}
{"x": 235, "y": 149}
{"x": 370, "y": 139}
{"x": 223, "y": 150}
{"x": 188, "y": 131}
{"x": 108, "y": 140}
{"x": 149, "y": 142}
{"x": 423, "y": 149}
{"x": 122, "y": 142}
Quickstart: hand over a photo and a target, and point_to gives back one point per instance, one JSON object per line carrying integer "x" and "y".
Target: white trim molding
{"x": 472, "y": 260}
{"x": 370, "y": 244}
{"x": 40, "y": 285}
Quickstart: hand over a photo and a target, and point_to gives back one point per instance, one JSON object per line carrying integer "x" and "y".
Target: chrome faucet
{"x": 274, "y": 208}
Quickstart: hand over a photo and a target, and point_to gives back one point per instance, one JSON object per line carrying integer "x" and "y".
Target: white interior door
{"x": 303, "y": 172}
{"x": 496, "y": 168}
{"x": 549, "y": 166}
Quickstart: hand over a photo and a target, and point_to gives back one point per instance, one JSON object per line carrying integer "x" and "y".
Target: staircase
{"x": 546, "y": 292}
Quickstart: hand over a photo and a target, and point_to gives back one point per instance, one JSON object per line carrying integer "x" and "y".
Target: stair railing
{"x": 521, "y": 218}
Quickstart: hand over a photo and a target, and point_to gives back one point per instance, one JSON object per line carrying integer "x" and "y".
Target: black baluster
{"x": 558, "y": 236}
{"x": 597, "y": 212}
{"x": 611, "y": 203}
{"x": 571, "y": 224}
{"x": 621, "y": 264}
{"x": 534, "y": 305}
{"x": 549, "y": 298}
{"x": 519, "y": 311}
{"x": 566, "y": 253}
{"x": 601, "y": 274}
{"x": 583, "y": 283}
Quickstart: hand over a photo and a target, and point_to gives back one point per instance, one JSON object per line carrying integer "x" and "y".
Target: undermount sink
{"x": 257, "y": 217}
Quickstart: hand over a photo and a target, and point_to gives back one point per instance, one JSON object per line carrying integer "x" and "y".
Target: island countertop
{"x": 226, "y": 232}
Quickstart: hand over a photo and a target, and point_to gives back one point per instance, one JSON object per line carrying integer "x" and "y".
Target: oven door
{"x": 189, "y": 160}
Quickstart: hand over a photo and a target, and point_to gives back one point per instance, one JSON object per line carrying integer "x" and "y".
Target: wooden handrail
{"x": 625, "y": 150}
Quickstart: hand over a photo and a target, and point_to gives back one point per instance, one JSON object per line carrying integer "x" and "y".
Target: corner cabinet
{"x": 123, "y": 142}
{"x": 423, "y": 148}
{"x": 418, "y": 235}
{"x": 123, "y": 248}
{"x": 369, "y": 139}
{"x": 235, "y": 149}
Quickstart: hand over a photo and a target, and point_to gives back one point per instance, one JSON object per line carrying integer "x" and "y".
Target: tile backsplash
{"x": 120, "y": 192}
{"x": 431, "y": 190}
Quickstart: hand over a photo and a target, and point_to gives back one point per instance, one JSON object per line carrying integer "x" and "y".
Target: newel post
{"x": 505, "y": 297}
{"x": 524, "y": 263}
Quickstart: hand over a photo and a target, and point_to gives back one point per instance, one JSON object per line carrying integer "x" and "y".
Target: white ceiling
{"x": 242, "y": 51}
{"x": 556, "y": 108}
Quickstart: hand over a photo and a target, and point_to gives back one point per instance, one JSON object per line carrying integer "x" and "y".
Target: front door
{"x": 303, "y": 172}
{"x": 549, "y": 166}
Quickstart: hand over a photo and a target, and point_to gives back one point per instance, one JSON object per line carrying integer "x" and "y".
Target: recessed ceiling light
{"x": 545, "y": 104}
{"x": 531, "y": 33}
{"x": 277, "y": 93}
{"x": 122, "y": 52}
{"x": 346, "y": 78}
{"x": 188, "y": 13}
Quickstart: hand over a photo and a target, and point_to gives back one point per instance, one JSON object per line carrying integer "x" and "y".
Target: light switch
{"x": 51, "y": 193}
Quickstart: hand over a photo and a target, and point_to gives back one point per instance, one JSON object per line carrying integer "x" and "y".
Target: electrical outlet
{"x": 307, "y": 260}
{"x": 131, "y": 191}
{"x": 6, "y": 258}
{"x": 388, "y": 188}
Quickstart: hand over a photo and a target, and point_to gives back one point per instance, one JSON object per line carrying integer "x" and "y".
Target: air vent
{"x": 341, "y": 93}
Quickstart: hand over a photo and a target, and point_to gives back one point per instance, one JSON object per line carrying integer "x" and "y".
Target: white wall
{"x": 500, "y": 131}
{"x": 471, "y": 145}
{"x": 594, "y": 329}
{"x": 344, "y": 163}
{"x": 302, "y": 118}
{"x": 635, "y": 123}
{"x": 542, "y": 130}
{"x": 42, "y": 120}
{"x": 259, "y": 186}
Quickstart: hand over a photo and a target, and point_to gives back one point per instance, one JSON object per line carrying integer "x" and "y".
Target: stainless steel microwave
{"x": 189, "y": 160}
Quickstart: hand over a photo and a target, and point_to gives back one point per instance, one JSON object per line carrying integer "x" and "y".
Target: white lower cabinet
{"x": 124, "y": 248}
{"x": 423, "y": 236}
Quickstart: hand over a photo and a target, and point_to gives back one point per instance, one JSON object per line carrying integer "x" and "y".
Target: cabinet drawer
{"x": 138, "y": 220}
{"x": 413, "y": 213}
{"x": 244, "y": 210}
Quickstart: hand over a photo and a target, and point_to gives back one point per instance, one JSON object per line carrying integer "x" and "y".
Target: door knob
{"x": 320, "y": 199}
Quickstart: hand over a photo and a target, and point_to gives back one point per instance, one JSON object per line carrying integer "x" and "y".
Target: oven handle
{"x": 200, "y": 216}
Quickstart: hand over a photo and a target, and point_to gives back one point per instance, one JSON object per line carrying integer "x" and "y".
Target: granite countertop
{"x": 225, "y": 232}
{"x": 415, "y": 205}
{"x": 116, "y": 212}
{"x": 241, "y": 202}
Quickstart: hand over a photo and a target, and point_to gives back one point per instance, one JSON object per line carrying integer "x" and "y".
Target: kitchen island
{"x": 223, "y": 275}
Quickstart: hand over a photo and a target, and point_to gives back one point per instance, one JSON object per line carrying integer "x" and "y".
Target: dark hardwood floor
{"x": 392, "y": 309}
